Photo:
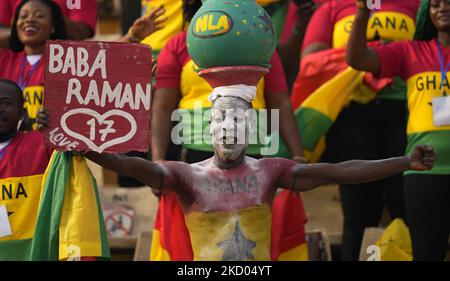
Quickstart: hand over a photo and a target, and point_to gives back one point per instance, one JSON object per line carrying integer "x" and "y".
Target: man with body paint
{"x": 227, "y": 199}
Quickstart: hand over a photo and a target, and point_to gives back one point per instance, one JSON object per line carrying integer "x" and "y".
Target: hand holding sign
{"x": 98, "y": 96}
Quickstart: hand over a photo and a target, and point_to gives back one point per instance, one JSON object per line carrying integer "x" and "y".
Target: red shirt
{"x": 417, "y": 62}
{"x": 331, "y": 23}
{"x": 22, "y": 167}
{"x": 10, "y": 65}
{"x": 87, "y": 13}
{"x": 26, "y": 155}
{"x": 33, "y": 80}
{"x": 406, "y": 59}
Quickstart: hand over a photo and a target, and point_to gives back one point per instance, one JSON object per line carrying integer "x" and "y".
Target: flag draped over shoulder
{"x": 324, "y": 86}
{"x": 70, "y": 221}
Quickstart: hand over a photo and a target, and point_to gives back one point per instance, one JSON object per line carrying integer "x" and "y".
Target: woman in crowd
{"x": 80, "y": 17}
{"x": 365, "y": 131}
{"x": 423, "y": 64}
{"x": 34, "y": 22}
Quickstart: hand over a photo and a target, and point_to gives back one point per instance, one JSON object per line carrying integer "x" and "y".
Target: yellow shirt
{"x": 173, "y": 25}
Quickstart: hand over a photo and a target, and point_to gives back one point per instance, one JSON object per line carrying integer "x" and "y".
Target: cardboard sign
{"x": 98, "y": 95}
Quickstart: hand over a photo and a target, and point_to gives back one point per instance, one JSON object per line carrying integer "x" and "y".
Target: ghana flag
{"x": 324, "y": 86}
{"x": 171, "y": 240}
{"x": 22, "y": 166}
{"x": 54, "y": 215}
{"x": 70, "y": 221}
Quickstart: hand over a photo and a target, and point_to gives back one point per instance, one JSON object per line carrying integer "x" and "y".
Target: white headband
{"x": 244, "y": 92}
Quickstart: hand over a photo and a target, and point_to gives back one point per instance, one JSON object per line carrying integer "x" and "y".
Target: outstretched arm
{"x": 310, "y": 176}
{"x": 358, "y": 55}
{"x": 150, "y": 173}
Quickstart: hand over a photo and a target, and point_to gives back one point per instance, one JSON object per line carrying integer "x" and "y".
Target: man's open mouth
{"x": 229, "y": 140}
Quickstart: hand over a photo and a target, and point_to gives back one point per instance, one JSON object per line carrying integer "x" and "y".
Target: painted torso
{"x": 228, "y": 211}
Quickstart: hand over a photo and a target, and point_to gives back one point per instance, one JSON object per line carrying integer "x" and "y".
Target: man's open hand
{"x": 422, "y": 158}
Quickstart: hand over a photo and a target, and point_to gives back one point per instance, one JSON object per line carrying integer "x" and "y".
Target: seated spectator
{"x": 23, "y": 160}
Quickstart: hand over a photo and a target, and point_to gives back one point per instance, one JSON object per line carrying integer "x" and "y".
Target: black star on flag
{"x": 238, "y": 248}
{"x": 10, "y": 213}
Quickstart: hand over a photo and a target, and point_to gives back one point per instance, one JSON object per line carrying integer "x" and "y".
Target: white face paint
{"x": 230, "y": 127}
